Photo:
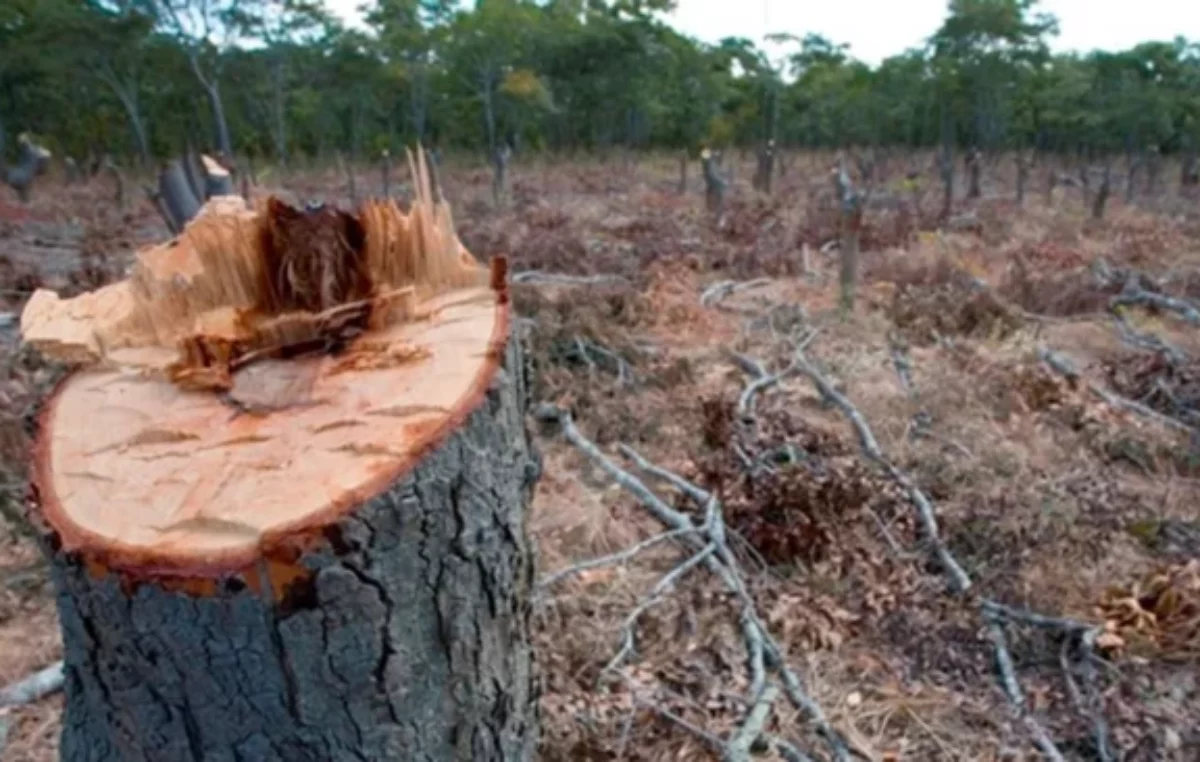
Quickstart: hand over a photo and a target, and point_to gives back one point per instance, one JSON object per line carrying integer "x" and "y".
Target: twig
{"x": 701, "y": 496}
{"x": 699, "y": 732}
{"x": 994, "y": 609}
{"x": 1148, "y": 341}
{"x": 959, "y": 578}
{"x": 624, "y": 374}
{"x": 761, "y": 379}
{"x": 903, "y": 368}
{"x": 754, "y": 648}
{"x": 539, "y": 278}
{"x": 1136, "y": 295}
{"x": 581, "y": 350}
{"x": 1012, "y": 689}
{"x": 720, "y": 290}
{"x": 656, "y": 593}
{"x": 738, "y": 748}
{"x": 35, "y": 687}
{"x": 1087, "y": 645}
{"x": 788, "y": 751}
{"x": 613, "y": 558}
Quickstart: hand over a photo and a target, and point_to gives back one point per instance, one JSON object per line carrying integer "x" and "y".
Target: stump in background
{"x": 284, "y": 498}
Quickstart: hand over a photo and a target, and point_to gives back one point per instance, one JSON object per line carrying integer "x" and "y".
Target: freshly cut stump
{"x": 296, "y": 543}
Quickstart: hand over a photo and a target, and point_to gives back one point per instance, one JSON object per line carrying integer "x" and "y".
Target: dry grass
{"x": 1051, "y": 498}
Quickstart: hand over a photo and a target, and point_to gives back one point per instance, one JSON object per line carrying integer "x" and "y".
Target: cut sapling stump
{"x": 284, "y": 493}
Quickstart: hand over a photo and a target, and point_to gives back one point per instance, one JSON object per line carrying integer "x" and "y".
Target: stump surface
{"x": 139, "y": 473}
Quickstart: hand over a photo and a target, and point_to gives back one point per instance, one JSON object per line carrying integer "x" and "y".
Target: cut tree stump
{"x": 284, "y": 495}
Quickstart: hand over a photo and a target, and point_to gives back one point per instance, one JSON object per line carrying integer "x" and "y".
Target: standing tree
{"x": 206, "y": 30}
{"x": 298, "y": 530}
{"x": 981, "y": 48}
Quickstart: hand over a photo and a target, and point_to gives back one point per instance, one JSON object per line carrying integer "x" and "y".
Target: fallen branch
{"x": 723, "y": 289}
{"x": 720, "y": 562}
{"x": 700, "y": 495}
{"x": 613, "y": 558}
{"x": 664, "y": 584}
{"x": 999, "y": 610}
{"x": 762, "y": 380}
{"x": 1012, "y": 689}
{"x": 993, "y": 613}
{"x": 33, "y": 688}
{"x": 1134, "y": 295}
{"x": 1064, "y": 367}
{"x": 738, "y": 748}
{"x": 584, "y": 348}
{"x": 1148, "y": 341}
{"x": 870, "y": 446}
{"x": 1089, "y": 706}
{"x": 539, "y": 278}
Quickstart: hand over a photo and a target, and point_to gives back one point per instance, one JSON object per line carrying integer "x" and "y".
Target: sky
{"x": 876, "y": 29}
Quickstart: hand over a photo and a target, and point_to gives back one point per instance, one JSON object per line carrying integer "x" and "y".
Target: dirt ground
{"x": 1055, "y": 495}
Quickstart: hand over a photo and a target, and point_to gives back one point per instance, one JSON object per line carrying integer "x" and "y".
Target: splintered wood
{"x": 241, "y": 281}
{"x": 262, "y": 372}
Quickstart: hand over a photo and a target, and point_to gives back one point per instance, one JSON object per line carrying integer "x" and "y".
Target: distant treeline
{"x": 143, "y": 79}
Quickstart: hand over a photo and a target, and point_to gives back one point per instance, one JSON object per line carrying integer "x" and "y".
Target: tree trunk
{"x": 177, "y": 201}
{"x": 220, "y": 124}
{"x": 487, "y": 82}
{"x": 418, "y": 99}
{"x": 1023, "y": 163}
{"x": 279, "y": 112}
{"x": 1100, "y": 200}
{"x": 974, "y": 173}
{"x": 946, "y": 165}
{"x": 379, "y": 607}
{"x": 714, "y": 185}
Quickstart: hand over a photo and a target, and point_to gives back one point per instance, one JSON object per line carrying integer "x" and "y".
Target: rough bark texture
{"x": 409, "y": 642}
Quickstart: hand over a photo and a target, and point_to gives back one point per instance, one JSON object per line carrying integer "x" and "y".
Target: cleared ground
{"x": 1054, "y": 498}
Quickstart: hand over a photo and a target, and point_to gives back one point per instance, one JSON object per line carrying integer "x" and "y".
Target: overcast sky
{"x": 876, "y": 29}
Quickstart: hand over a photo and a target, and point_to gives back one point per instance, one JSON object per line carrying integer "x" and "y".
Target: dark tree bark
{"x": 177, "y": 203}
{"x": 279, "y": 108}
{"x": 1023, "y": 163}
{"x": 850, "y": 205}
{"x": 765, "y": 167}
{"x": 974, "y": 174}
{"x": 1189, "y": 175}
{"x": 714, "y": 185}
{"x": 1100, "y": 200}
{"x": 32, "y": 160}
{"x": 408, "y": 639}
{"x": 946, "y": 168}
{"x": 500, "y": 159}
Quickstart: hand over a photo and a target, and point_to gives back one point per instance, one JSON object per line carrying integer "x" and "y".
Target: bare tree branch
{"x": 738, "y": 748}
{"x": 870, "y": 446}
{"x": 613, "y": 558}
{"x": 538, "y": 278}
{"x": 33, "y": 688}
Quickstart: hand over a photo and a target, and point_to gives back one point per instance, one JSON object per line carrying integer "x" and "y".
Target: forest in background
{"x": 283, "y": 80}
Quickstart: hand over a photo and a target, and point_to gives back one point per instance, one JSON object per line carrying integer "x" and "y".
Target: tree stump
{"x": 307, "y": 541}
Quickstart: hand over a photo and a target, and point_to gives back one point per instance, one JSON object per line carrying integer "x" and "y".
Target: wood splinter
{"x": 271, "y": 416}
